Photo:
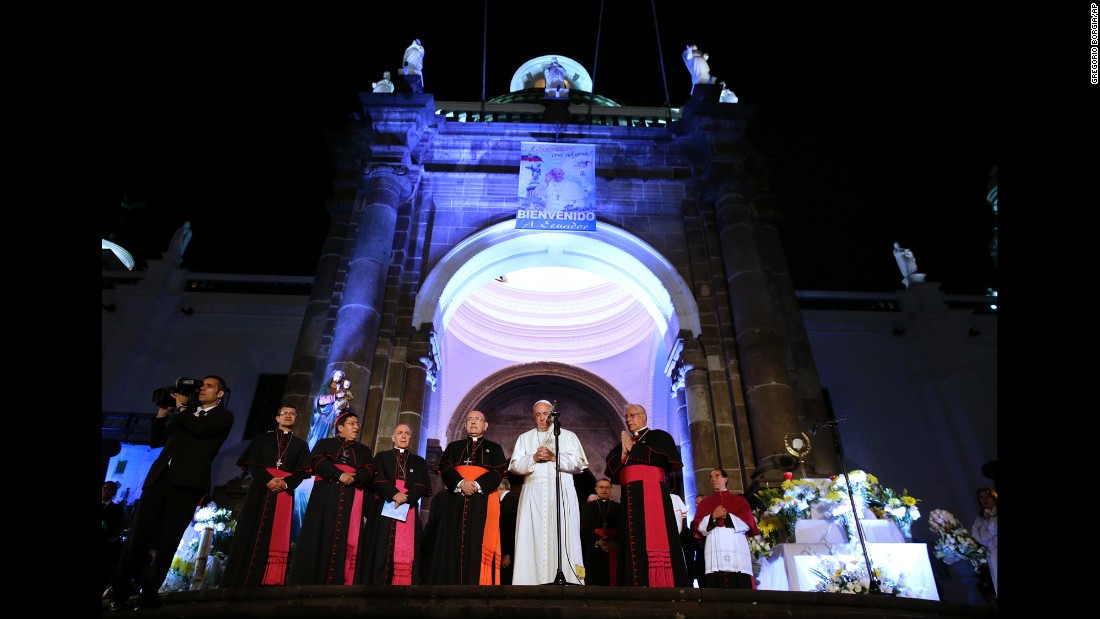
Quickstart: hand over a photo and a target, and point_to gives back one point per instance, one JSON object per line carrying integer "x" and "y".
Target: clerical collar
{"x": 474, "y": 438}
{"x": 400, "y": 450}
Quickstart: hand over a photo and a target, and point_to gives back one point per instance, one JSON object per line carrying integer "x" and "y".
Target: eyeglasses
{"x": 289, "y": 413}
{"x": 633, "y": 415}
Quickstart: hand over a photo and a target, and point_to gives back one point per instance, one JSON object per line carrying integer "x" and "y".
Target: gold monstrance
{"x": 798, "y": 445}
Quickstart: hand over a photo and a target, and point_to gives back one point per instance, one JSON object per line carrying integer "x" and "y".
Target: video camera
{"x": 189, "y": 387}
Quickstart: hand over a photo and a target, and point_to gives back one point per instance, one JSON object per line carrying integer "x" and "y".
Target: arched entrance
{"x": 499, "y": 355}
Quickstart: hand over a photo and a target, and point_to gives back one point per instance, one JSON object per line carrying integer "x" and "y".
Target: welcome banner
{"x": 557, "y": 187}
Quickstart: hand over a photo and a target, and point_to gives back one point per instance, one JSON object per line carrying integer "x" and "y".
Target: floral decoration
{"x": 849, "y": 575}
{"x": 901, "y": 509}
{"x": 779, "y": 509}
{"x": 183, "y": 564}
{"x": 954, "y": 542}
{"x": 221, "y": 520}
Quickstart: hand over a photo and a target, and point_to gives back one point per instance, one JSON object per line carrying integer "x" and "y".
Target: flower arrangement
{"x": 776, "y": 512}
{"x": 179, "y": 575}
{"x": 840, "y": 575}
{"x": 221, "y": 520}
{"x": 954, "y": 542}
{"x": 796, "y": 500}
{"x": 901, "y": 509}
{"x": 183, "y": 564}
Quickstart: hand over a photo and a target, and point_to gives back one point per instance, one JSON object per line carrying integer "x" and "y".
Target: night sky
{"x": 881, "y": 118}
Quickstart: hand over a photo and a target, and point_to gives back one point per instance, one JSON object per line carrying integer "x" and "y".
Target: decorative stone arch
{"x": 614, "y": 400}
{"x": 610, "y": 252}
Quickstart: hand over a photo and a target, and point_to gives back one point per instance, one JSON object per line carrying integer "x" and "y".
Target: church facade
{"x": 680, "y": 300}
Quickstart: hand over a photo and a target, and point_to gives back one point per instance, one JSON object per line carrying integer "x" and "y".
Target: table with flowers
{"x": 809, "y": 540}
{"x": 797, "y": 567}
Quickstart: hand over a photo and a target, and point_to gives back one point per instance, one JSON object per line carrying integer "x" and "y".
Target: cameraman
{"x": 177, "y": 479}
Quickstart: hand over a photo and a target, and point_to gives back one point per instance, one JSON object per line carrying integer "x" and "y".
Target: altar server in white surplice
{"x": 536, "y": 560}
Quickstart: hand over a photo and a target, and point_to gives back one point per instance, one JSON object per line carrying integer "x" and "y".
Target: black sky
{"x": 881, "y": 118}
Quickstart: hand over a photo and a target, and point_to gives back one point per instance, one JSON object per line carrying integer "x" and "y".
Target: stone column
{"x": 420, "y": 376}
{"x": 691, "y": 381}
{"x": 770, "y": 396}
{"x": 300, "y": 388}
{"x": 355, "y": 335}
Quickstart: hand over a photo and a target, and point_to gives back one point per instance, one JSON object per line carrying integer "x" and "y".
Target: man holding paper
{"x": 391, "y": 540}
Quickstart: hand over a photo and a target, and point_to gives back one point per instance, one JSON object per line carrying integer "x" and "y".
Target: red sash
{"x": 356, "y": 518}
{"x": 403, "y": 544}
{"x": 656, "y": 533}
{"x": 490, "y": 537}
{"x": 278, "y": 547}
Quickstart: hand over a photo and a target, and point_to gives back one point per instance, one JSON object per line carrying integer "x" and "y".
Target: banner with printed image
{"x": 557, "y": 187}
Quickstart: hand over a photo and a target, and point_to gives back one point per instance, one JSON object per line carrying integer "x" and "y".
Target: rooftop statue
{"x": 179, "y": 242}
{"x": 908, "y": 265}
{"x": 696, "y": 62}
{"x": 385, "y": 85}
{"x": 727, "y": 95}
{"x": 413, "y": 66}
{"x": 555, "y": 76}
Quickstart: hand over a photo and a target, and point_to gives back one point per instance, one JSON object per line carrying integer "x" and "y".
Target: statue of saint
{"x": 696, "y": 62}
{"x": 908, "y": 265}
{"x": 333, "y": 399}
{"x": 727, "y": 95}
{"x": 179, "y": 242}
{"x": 414, "y": 66}
{"x": 555, "y": 76}
{"x": 385, "y": 85}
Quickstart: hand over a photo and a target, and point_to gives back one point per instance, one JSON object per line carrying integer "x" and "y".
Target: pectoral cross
{"x": 468, "y": 460}
{"x": 278, "y": 464}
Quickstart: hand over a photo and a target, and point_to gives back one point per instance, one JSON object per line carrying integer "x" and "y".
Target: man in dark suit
{"x": 509, "y": 504}
{"x": 177, "y": 479}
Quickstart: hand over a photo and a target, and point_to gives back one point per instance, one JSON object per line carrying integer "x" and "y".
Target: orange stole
{"x": 490, "y": 537}
{"x": 278, "y": 547}
{"x": 656, "y": 534}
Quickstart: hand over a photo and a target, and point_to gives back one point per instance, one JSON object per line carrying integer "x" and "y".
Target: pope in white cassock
{"x": 536, "y": 560}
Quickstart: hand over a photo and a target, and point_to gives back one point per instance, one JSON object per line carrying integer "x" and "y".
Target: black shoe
{"x": 120, "y": 605}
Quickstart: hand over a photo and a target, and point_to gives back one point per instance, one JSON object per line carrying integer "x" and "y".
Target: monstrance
{"x": 798, "y": 445}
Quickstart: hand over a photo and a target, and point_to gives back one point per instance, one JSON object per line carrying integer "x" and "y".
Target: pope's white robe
{"x": 536, "y": 559}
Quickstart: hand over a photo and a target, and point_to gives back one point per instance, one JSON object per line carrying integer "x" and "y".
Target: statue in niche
{"x": 385, "y": 85}
{"x": 555, "y": 77}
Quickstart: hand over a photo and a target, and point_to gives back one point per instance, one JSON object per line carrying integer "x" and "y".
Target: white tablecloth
{"x": 790, "y": 568}
{"x": 812, "y": 531}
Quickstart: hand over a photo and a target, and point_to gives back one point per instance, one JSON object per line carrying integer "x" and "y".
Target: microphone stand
{"x": 873, "y": 586}
{"x": 560, "y": 578}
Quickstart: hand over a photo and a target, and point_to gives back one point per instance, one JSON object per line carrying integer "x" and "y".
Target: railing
{"x": 463, "y": 112}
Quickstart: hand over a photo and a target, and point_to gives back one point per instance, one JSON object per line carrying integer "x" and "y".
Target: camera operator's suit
{"x": 177, "y": 480}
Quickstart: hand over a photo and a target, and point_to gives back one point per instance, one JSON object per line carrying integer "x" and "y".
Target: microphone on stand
{"x": 824, "y": 423}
